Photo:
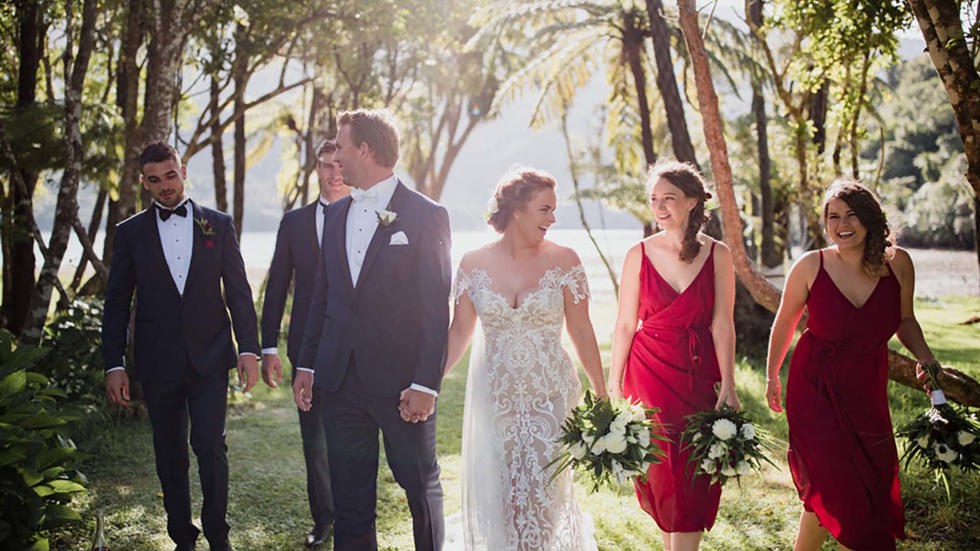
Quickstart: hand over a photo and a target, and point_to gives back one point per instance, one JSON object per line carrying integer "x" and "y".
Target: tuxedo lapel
{"x": 198, "y": 243}
{"x": 381, "y": 236}
{"x": 307, "y": 232}
{"x": 150, "y": 219}
{"x": 339, "y": 234}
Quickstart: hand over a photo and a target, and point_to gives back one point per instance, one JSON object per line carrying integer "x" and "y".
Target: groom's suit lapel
{"x": 197, "y": 246}
{"x": 382, "y": 235}
{"x": 156, "y": 247}
{"x": 339, "y": 234}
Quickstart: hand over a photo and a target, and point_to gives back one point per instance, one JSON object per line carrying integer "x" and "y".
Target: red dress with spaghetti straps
{"x": 672, "y": 366}
{"x": 841, "y": 450}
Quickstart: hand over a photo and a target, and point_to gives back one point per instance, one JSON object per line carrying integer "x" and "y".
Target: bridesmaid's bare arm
{"x": 723, "y": 325}
{"x": 909, "y": 331}
{"x": 795, "y": 292}
{"x": 626, "y": 318}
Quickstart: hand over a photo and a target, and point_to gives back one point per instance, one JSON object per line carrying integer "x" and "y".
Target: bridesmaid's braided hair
{"x": 691, "y": 183}
{"x": 514, "y": 191}
{"x": 878, "y": 246}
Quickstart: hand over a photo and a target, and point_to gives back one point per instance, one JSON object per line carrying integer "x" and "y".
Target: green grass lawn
{"x": 268, "y": 508}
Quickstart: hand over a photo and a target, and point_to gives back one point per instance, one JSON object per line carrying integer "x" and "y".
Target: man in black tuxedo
{"x": 177, "y": 256}
{"x": 376, "y": 335}
{"x": 295, "y": 261}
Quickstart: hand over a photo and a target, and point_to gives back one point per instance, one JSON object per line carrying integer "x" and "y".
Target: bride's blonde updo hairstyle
{"x": 514, "y": 191}
{"x": 687, "y": 178}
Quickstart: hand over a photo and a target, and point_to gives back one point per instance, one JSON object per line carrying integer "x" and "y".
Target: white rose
{"x": 718, "y": 449}
{"x": 613, "y": 443}
{"x": 708, "y": 466}
{"x": 578, "y": 450}
{"x": 944, "y": 453}
{"x": 588, "y": 439}
{"x": 636, "y": 413}
{"x": 742, "y": 467}
{"x": 724, "y": 429}
{"x": 599, "y": 447}
{"x": 965, "y": 438}
{"x": 923, "y": 441}
{"x": 748, "y": 431}
{"x": 617, "y": 427}
{"x": 728, "y": 470}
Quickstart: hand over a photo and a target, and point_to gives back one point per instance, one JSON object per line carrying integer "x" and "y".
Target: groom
{"x": 376, "y": 336}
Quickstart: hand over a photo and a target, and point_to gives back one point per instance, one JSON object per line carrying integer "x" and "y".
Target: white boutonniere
{"x": 386, "y": 217}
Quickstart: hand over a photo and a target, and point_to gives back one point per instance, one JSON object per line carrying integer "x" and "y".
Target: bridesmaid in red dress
{"x": 678, "y": 285}
{"x": 858, "y": 293}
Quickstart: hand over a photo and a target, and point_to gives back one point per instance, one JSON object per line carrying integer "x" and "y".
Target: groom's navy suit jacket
{"x": 297, "y": 253}
{"x": 393, "y": 321}
{"x": 171, "y": 329}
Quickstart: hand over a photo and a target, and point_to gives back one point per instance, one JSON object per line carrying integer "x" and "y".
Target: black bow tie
{"x": 165, "y": 212}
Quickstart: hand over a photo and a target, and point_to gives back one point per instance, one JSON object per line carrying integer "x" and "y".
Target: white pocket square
{"x": 398, "y": 238}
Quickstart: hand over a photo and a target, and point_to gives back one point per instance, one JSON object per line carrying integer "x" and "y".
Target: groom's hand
{"x": 303, "y": 390}
{"x": 248, "y": 371}
{"x": 416, "y": 405}
{"x": 271, "y": 369}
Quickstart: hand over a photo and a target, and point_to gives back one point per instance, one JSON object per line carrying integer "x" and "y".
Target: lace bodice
{"x": 521, "y": 387}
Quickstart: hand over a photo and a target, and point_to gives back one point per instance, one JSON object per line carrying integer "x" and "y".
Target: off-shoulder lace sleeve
{"x": 460, "y": 285}
{"x": 575, "y": 281}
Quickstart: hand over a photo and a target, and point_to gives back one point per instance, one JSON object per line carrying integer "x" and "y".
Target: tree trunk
{"x": 238, "y": 197}
{"x": 93, "y": 230}
{"x": 939, "y": 21}
{"x": 900, "y": 368}
{"x": 19, "y": 261}
{"x": 127, "y": 99}
{"x": 771, "y": 255}
{"x": 632, "y": 49}
{"x": 680, "y": 138}
{"x": 217, "y": 148}
{"x": 66, "y": 211}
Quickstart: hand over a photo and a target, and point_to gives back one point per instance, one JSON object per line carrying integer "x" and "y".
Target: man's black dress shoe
{"x": 318, "y": 535}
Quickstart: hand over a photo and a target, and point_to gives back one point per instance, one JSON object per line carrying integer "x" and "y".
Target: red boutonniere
{"x": 207, "y": 230}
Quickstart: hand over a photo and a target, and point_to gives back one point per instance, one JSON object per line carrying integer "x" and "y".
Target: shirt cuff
{"x": 257, "y": 357}
{"x": 306, "y": 369}
{"x": 117, "y": 368}
{"x": 272, "y": 350}
{"x": 424, "y": 389}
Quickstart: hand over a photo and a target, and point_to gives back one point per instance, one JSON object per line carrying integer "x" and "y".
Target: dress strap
{"x": 821, "y": 258}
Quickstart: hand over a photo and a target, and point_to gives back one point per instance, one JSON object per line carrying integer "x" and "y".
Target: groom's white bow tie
{"x": 370, "y": 195}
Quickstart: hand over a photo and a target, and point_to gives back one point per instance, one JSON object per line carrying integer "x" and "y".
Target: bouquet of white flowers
{"x": 610, "y": 441}
{"x": 724, "y": 444}
{"x": 943, "y": 436}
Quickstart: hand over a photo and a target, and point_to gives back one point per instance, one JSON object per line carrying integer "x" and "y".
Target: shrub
{"x": 37, "y": 474}
{"x": 74, "y": 363}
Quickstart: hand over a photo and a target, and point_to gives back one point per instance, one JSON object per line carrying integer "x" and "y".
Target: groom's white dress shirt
{"x": 362, "y": 222}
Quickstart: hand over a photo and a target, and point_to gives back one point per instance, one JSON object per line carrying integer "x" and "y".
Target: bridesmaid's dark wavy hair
{"x": 514, "y": 191}
{"x": 690, "y": 181}
{"x": 878, "y": 246}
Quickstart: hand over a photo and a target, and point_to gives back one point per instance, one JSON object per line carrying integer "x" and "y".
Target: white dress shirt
{"x": 177, "y": 240}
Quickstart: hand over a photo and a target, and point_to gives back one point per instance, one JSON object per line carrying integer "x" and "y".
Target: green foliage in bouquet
{"x": 724, "y": 444}
{"x": 610, "y": 441}
{"x": 37, "y": 461}
{"x": 942, "y": 437}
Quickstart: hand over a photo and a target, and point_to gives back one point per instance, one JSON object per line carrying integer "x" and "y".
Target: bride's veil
{"x": 482, "y": 500}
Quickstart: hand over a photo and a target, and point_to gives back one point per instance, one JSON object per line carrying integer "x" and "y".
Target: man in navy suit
{"x": 177, "y": 256}
{"x": 375, "y": 339}
{"x": 295, "y": 261}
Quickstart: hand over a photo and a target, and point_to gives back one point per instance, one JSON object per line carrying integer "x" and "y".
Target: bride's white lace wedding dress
{"x": 521, "y": 386}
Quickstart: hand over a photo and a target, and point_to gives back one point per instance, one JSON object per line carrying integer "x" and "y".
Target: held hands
{"x": 774, "y": 391}
{"x": 303, "y": 390}
{"x": 727, "y": 396}
{"x": 415, "y": 405}
{"x": 271, "y": 370}
{"x": 248, "y": 371}
{"x": 117, "y": 387}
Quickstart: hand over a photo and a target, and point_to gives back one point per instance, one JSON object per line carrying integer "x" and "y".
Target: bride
{"x": 521, "y": 383}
